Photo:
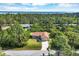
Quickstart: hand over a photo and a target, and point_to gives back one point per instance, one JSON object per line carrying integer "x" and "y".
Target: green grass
{"x": 31, "y": 44}
{"x": 26, "y": 48}
{"x": 2, "y": 53}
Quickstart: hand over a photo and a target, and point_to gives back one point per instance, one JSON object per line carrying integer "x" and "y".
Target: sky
{"x": 40, "y": 7}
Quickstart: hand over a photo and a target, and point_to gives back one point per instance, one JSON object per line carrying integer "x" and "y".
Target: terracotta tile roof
{"x": 44, "y": 35}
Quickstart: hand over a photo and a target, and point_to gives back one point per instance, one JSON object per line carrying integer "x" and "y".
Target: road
{"x": 25, "y": 52}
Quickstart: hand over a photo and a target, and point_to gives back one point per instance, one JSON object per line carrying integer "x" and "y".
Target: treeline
{"x": 35, "y": 18}
{"x": 42, "y": 21}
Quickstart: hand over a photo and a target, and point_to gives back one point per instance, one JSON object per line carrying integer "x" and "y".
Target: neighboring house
{"x": 42, "y": 37}
{"x": 6, "y": 27}
{"x": 25, "y": 26}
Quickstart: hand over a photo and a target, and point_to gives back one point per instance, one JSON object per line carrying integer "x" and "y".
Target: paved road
{"x": 25, "y": 52}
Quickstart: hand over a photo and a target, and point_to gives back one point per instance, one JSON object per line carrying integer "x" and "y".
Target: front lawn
{"x": 31, "y": 44}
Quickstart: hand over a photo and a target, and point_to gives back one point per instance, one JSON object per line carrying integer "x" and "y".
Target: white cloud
{"x": 65, "y": 5}
{"x": 39, "y": 4}
{"x": 14, "y": 9}
{"x": 60, "y": 7}
{"x": 34, "y": 4}
{"x": 26, "y": 3}
{"x": 39, "y": 1}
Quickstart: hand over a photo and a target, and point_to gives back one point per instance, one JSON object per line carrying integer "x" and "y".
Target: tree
{"x": 60, "y": 42}
{"x": 2, "y": 21}
{"x": 73, "y": 39}
{"x": 15, "y": 36}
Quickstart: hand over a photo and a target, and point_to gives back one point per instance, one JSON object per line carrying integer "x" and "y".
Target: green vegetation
{"x": 33, "y": 44}
{"x": 63, "y": 29}
{"x": 66, "y": 41}
{"x": 2, "y": 54}
{"x": 13, "y": 36}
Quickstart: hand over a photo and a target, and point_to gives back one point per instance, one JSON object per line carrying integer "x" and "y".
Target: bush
{"x": 58, "y": 41}
{"x": 33, "y": 44}
{"x": 68, "y": 52}
{"x": 2, "y": 54}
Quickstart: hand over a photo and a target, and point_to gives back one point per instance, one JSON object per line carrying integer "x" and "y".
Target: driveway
{"x": 25, "y": 52}
{"x": 45, "y": 45}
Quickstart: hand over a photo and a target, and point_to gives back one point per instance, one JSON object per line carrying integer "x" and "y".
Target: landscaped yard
{"x": 31, "y": 44}
{"x": 2, "y": 53}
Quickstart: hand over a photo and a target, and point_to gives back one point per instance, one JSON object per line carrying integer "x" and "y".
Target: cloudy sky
{"x": 42, "y": 7}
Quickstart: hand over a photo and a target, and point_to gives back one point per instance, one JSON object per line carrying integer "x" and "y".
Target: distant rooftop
{"x": 26, "y": 25}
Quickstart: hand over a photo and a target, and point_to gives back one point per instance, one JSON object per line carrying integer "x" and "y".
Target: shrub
{"x": 2, "y": 54}
{"x": 33, "y": 44}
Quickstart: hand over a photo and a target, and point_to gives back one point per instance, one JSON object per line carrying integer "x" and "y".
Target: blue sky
{"x": 42, "y": 7}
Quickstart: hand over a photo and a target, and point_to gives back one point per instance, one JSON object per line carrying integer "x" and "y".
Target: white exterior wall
{"x": 45, "y": 45}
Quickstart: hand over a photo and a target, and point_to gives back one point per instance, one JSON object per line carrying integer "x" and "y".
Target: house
{"x": 26, "y": 26}
{"x": 42, "y": 37}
